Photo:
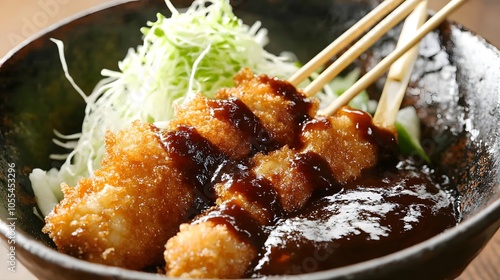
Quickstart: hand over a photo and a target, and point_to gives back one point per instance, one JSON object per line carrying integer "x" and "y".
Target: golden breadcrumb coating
{"x": 293, "y": 188}
{"x": 124, "y": 214}
{"x": 199, "y": 114}
{"x": 343, "y": 144}
{"x": 336, "y": 139}
{"x": 138, "y": 193}
{"x": 277, "y": 113}
{"x": 252, "y": 207}
{"x": 207, "y": 250}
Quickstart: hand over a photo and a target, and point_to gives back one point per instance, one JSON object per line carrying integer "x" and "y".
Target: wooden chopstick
{"x": 344, "y": 40}
{"x": 361, "y": 46}
{"x": 384, "y": 65}
{"x": 400, "y": 72}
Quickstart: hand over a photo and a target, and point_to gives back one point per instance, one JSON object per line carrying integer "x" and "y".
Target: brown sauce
{"x": 299, "y": 105}
{"x": 320, "y": 123}
{"x": 381, "y": 213}
{"x": 386, "y": 211}
{"x": 235, "y": 112}
{"x": 317, "y": 171}
{"x": 200, "y": 161}
{"x": 256, "y": 190}
{"x": 383, "y": 139}
{"x": 237, "y": 220}
{"x": 203, "y": 164}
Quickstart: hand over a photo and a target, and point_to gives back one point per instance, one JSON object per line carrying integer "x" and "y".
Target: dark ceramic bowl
{"x": 455, "y": 88}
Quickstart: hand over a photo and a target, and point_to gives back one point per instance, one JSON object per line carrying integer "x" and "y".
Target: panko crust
{"x": 198, "y": 113}
{"x": 294, "y": 188}
{"x": 343, "y": 144}
{"x": 207, "y": 250}
{"x": 125, "y": 212}
{"x": 277, "y": 114}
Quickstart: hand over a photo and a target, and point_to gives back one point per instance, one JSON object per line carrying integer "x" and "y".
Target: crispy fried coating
{"x": 337, "y": 139}
{"x": 199, "y": 114}
{"x": 254, "y": 208}
{"x": 124, "y": 214}
{"x": 214, "y": 252}
{"x": 204, "y": 249}
{"x": 277, "y": 113}
{"x": 342, "y": 143}
{"x": 293, "y": 188}
{"x": 138, "y": 193}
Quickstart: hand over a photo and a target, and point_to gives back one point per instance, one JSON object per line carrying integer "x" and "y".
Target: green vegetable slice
{"x": 408, "y": 129}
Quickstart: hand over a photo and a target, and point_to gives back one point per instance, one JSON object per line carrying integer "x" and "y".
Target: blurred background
{"x": 19, "y": 19}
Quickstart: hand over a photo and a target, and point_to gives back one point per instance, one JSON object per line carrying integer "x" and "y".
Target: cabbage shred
{"x": 196, "y": 51}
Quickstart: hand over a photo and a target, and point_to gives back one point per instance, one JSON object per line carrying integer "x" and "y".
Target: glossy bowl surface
{"x": 455, "y": 88}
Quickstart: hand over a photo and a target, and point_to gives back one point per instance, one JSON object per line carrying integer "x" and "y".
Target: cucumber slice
{"x": 408, "y": 128}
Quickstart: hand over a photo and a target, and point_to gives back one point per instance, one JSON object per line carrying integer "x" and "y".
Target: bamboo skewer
{"x": 400, "y": 72}
{"x": 344, "y": 40}
{"x": 361, "y": 46}
{"x": 384, "y": 65}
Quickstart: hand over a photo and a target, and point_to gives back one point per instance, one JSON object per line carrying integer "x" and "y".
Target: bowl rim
{"x": 60, "y": 23}
{"x": 459, "y": 232}
{"x": 468, "y": 227}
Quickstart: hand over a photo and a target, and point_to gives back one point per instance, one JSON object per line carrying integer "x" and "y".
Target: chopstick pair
{"x": 414, "y": 29}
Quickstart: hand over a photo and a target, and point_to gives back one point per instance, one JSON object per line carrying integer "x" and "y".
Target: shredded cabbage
{"x": 199, "y": 50}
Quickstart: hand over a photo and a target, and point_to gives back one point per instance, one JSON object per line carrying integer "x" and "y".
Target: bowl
{"x": 455, "y": 89}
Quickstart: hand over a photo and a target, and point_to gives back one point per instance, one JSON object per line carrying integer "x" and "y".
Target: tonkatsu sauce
{"x": 203, "y": 164}
{"x": 299, "y": 105}
{"x": 375, "y": 215}
{"x": 201, "y": 161}
{"x": 237, "y": 220}
{"x": 256, "y": 190}
{"x": 378, "y": 214}
{"x": 317, "y": 171}
{"x": 234, "y": 111}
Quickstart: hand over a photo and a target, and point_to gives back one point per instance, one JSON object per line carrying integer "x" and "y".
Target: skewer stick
{"x": 383, "y": 65}
{"x": 344, "y": 40}
{"x": 400, "y": 72}
{"x": 361, "y": 46}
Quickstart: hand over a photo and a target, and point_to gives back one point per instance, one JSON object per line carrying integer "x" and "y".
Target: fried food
{"x": 347, "y": 141}
{"x": 334, "y": 151}
{"x": 216, "y": 251}
{"x": 125, "y": 212}
{"x": 278, "y": 105}
{"x": 152, "y": 180}
{"x": 259, "y": 114}
{"x": 337, "y": 140}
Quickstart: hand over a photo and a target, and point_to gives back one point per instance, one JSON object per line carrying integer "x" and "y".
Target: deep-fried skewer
{"x": 228, "y": 236}
{"x": 226, "y": 254}
{"x": 146, "y": 188}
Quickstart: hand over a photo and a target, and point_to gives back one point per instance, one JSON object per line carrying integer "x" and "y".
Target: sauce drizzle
{"x": 235, "y": 112}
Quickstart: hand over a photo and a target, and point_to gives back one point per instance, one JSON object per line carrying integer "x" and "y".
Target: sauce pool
{"x": 381, "y": 213}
